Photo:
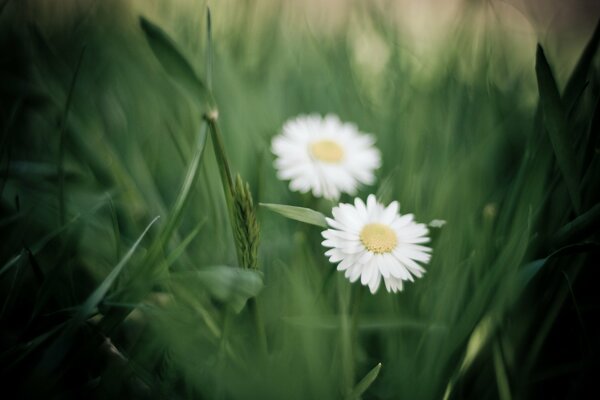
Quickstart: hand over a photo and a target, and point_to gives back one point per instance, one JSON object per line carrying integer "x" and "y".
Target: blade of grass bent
{"x": 556, "y": 126}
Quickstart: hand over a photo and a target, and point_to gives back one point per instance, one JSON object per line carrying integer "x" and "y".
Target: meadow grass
{"x": 129, "y": 263}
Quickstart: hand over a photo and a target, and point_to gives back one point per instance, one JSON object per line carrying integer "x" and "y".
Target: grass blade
{"x": 386, "y": 188}
{"x": 364, "y": 384}
{"x": 56, "y": 352}
{"x": 173, "y": 61}
{"x": 577, "y": 80}
{"x": 301, "y": 214}
{"x": 61, "y": 148}
{"x": 501, "y": 374}
{"x": 88, "y": 307}
{"x": 40, "y": 244}
{"x": 581, "y": 226}
{"x": 209, "y": 49}
{"x": 178, "y": 251}
{"x": 556, "y": 125}
{"x": 532, "y": 268}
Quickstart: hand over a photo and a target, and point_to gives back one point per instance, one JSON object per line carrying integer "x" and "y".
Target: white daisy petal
{"x": 371, "y": 242}
{"x": 374, "y": 282}
{"x": 365, "y": 258}
{"x": 368, "y": 271}
{"x": 324, "y": 155}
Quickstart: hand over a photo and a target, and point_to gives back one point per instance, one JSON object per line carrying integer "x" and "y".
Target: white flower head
{"x": 325, "y": 155}
{"x": 371, "y": 242}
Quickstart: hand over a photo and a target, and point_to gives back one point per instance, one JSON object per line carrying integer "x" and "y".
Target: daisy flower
{"x": 371, "y": 242}
{"x": 325, "y": 156}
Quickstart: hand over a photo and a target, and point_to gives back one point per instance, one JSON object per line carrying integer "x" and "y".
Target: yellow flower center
{"x": 327, "y": 151}
{"x": 378, "y": 238}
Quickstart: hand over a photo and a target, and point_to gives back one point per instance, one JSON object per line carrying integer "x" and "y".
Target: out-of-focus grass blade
{"x": 40, "y": 244}
{"x": 182, "y": 198}
{"x": 61, "y": 149}
{"x": 532, "y": 268}
{"x": 386, "y": 188}
{"x": 365, "y": 323}
{"x": 230, "y": 285}
{"x": 35, "y": 171}
{"x": 155, "y": 251}
{"x": 5, "y": 143}
{"x": 223, "y": 164}
{"x": 88, "y": 307}
{"x": 581, "y": 226}
{"x": 56, "y": 352}
{"x": 173, "y": 61}
{"x": 178, "y": 251}
{"x": 15, "y": 285}
{"x": 301, "y": 214}
{"x": 577, "y": 80}
{"x": 44, "y": 50}
{"x": 555, "y": 123}
{"x": 589, "y": 147}
{"x": 501, "y": 375}
{"x": 362, "y": 386}
{"x": 209, "y": 51}
{"x": 12, "y": 356}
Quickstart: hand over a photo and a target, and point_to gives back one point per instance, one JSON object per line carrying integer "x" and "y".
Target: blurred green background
{"x": 98, "y": 138}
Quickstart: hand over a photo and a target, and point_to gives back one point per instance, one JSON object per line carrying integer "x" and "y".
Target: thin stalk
{"x": 346, "y": 337}
{"x": 225, "y": 172}
{"x": 228, "y": 189}
{"x": 355, "y": 310}
{"x": 228, "y": 185}
{"x": 222, "y": 353}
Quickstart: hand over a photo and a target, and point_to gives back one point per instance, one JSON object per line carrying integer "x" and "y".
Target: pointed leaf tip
{"x": 364, "y": 384}
{"x": 173, "y": 61}
{"x": 555, "y": 123}
{"x": 301, "y": 214}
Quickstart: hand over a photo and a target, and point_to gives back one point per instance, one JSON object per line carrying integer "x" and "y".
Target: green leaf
{"x": 501, "y": 374}
{"x": 182, "y": 199}
{"x": 362, "y": 386}
{"x": 180, "y": 249}
{"x": 556, "y": 125}
{"x": 56, "y": 351}
{"x": 230, "y": 285}
{"x": 301, "y": 214}
{"x": 578, "y": 79}
{"x": 173, "y": 61}
{"x": 585, "y": 224}
{"x": 88, "y": 307}
{"x": 532, "y": 268}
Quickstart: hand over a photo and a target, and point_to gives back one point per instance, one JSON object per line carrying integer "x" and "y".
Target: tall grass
{"x": 108, "y": 124}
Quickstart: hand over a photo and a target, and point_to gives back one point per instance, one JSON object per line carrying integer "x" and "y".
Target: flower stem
{"x": 346, "y": 335}
{"x": 229, "y": 189}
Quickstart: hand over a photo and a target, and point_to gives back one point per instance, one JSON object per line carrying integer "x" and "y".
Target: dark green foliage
{"x": 96, "y": 301}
